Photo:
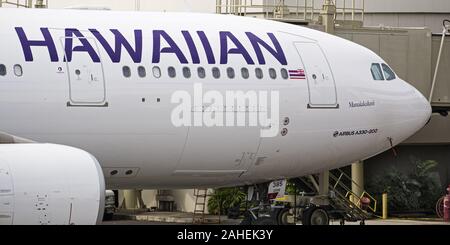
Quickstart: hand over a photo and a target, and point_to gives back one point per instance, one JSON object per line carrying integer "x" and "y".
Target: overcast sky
{"x": 147, "y": 5}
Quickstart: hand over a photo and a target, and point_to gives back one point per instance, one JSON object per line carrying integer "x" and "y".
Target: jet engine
{"x": 46, "y": 184}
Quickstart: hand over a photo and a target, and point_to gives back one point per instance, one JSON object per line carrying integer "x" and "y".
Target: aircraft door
{"x": 321, "y": 83}
{"x": 6, "y": 195}
{"x": 86, "y": 76}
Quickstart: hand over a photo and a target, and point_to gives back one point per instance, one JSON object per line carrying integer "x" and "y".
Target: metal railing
{"x": 24, "y": 3}
{"x": 270, "y": 9}
{"x": 350, "y": 195}
{"x": 306, "y": 10}
{"x": 350, "y": 10}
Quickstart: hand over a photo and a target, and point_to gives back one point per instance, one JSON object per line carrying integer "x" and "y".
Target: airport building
{"x": 406, "y": 33}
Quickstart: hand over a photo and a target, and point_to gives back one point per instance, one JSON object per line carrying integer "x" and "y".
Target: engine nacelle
{"x": 46, "y": 184}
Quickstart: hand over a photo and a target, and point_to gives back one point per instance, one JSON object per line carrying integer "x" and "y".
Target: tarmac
{"x": 180, "y": 218}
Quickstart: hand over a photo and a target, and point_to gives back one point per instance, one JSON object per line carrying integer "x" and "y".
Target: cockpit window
{"x": 377, "y": 74}
{"x": 388, "y": 73}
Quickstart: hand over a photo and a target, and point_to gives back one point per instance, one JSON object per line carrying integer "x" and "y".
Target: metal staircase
{"x": 352, "y": 207}
{"x": 342, "y": 202}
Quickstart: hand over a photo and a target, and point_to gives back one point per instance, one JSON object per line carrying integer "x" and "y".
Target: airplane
{"x": 140, "y": 100}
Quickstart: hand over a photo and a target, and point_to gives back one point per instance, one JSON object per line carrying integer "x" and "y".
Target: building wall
{"x": 430, "y": 20}
{"x": 407, "y": 6}
{"x": 386, "y": 6}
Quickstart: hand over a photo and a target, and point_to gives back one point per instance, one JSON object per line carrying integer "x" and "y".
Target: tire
{"x": 306, "y": 216}
{"x": 316, "y": 216}
{"x": 282, "y": 217}
{"x": 440, "y": 208}
{"x": 265, "y": 221}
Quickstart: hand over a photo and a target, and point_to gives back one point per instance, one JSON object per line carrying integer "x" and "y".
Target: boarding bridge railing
{"x": 24, "y": 3}
{"x": 350, "y": 10}
{"x": 303, "y": 10}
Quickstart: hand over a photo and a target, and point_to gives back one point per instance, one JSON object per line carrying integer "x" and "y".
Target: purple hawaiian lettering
{"x": 277, "y": 51}
{"x": 120, "y": 41}
{"x": 84, "y": 47}
{"x": 192, "y": 48}
{"x": 27, "y": 44}
{"x": 225, "y": 51}
{"x": 173, "y": 47}
{"x": 207, "y": 47}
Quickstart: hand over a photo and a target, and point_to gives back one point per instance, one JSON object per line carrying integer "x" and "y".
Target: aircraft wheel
{"x": 316, "y": 216}
{"x": 283, "y": 217}
{"x": 265, "y": 221}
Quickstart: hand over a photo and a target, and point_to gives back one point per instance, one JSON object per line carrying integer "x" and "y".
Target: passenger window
{"x": 172, "y": 72}
{"x": 186, "y": 72}
{"x": 142, "y": 72}
{"x": 2, "y": 70}
{"x": 216, "y": 73}
{"x": 388, "y": 73}
{"x": 230, "y": 73}
{"x": 18, "y": 71}
{"x": 284, "y": 74}
{"x": 156, "y": 72}
{"x": 201, "y": 72}
{"x": 126, "y": 71}
{"x": 245, "y": 73}
{"x": 259, "y": 73}
{"x": 272, "y": 73}
{"x": 377, "y": 74}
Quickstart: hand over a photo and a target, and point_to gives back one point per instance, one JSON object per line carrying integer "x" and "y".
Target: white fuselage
{"x": 337, "y": 112}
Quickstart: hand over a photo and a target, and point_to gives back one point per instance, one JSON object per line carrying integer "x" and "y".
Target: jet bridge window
{"x": 172, "y": 72}
{"x": 142, "y": 72}
{"x": 126, "y": 71}
{"x": 388, "y": 73}
{"x": 377, "y": 73}
{"x": 2, "y": 70}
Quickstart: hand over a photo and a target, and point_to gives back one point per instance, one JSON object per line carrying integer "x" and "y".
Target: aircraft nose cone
{"x": 420, "y": 110}
{"x": 425, "y": 110}
{"x": 413, "y": 112}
